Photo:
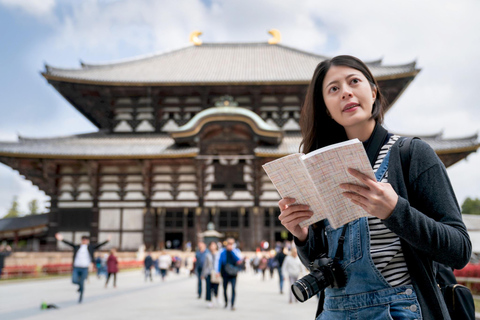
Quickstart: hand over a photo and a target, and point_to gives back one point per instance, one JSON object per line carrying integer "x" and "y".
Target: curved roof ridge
{"x": 226, "y": 110}
{"x": 134, "y": 59}
{"x": 377, "y": 62}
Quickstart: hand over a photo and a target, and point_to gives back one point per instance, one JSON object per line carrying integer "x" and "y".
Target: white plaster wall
{"x": 132, "y": 219}
{"x": 109, "y": 219}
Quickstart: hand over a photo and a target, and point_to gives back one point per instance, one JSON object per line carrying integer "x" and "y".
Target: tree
{"x": 13, "y": 212}
{"x": 33, "y": 207}
{"x": 471, "y": 206}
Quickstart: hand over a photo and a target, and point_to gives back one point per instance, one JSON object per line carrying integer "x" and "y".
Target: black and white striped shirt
{"x": 385, "y": 247}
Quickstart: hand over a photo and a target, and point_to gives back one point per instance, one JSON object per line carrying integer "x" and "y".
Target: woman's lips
{"x": 350, "y": 107}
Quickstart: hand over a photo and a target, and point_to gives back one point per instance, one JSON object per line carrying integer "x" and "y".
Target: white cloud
{"x": 38, "y": 8}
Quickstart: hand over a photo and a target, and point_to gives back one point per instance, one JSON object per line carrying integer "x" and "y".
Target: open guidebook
{"x": 314, "y": 179}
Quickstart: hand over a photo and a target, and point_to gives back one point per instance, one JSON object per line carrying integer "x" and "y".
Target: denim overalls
{"x": 367, "y": 295}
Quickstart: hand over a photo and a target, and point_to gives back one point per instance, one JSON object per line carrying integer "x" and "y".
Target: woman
{"x": 293, "y": 268}
{"x": 210, "y": 274}
{"x": 164, "y": 263}
{"x": 388, "y": 257}
{"x": 112, "y": 267}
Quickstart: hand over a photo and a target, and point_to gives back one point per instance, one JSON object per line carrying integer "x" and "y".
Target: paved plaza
{"x": 135, "y": 299}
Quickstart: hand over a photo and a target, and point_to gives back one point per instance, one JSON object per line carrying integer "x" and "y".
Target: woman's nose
{"x": 346, "y": 94}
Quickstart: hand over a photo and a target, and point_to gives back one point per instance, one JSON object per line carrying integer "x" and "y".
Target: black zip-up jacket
{"x": 91, "y": 249}
{"x": 429, "y": 225}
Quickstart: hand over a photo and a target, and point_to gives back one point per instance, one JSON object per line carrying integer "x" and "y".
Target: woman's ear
{"x": 374, "y": 92}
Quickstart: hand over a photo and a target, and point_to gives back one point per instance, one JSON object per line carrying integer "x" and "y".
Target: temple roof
{"x": 215, "y": 63}
{"x": 98, "y": 145}
{"x": 26, "y": 222}
{"x": 292, "y": 141}
{"x": 102, "y": 145}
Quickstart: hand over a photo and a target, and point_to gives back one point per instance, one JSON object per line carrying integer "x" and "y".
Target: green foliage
{"x": 33, "y": 207}
{"x": 13, "y": 212}
{"x": 471, "y": 206}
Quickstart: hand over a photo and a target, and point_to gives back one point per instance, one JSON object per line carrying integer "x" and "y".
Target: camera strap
{"x": 341, "y": 240}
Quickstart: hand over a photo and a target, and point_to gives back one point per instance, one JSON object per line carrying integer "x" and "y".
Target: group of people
{"x": 162, "y": 264}
{"x": 214, "y": 266}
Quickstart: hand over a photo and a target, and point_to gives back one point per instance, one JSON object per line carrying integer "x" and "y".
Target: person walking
{"x": 210, "y": 274}
{"x": 279, "y": 258}
{"x": 199, "y": 261}
{"x": 272, "y": 263}
{"x": 5, "y": 251}
{"x": 112, "y": 267}
{"x": 82, "y": 259}
{"x": 148, "y": 264}
{"x": 292, "y": 268}
{"x": 228, "y": 266}
{"x": 414, "y": 218}
{"x": 164, "y": 263}
{"x": 262, "y": 266}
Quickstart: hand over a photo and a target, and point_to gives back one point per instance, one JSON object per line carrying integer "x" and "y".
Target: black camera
{"x": 324, "y": 272}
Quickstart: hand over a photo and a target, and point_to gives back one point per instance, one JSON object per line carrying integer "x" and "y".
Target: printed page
{"x": 328, "y": 169}
{"x": 291, "y": 180}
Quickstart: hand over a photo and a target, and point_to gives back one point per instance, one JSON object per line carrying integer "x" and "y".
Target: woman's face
{"x": 213, "y": 247}
{"x": 349, "y": 97}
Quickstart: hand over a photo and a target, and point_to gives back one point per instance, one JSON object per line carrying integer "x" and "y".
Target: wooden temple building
{"x": 181, "y": 142}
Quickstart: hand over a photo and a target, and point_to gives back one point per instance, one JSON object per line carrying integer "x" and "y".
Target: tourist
{"x": 210, "y": 274}
{"x": 228, "y": 265}
{"x": 272, "y": 263}
{"x": 5, "y": 251}
{"x": 199, "y": 261}
{"x": 280, "y": 257}
{"x": 292, "y": 268}
{"x": 148, "y": 264}
{"x": 82, "y": 259}
{"x": 388, "y": 256}
{"x": 164, "y": 263}
{"x": 112, "y": 267}
{"x": 262, "y": 266}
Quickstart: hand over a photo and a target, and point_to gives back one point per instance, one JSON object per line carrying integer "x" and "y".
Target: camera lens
{"x": 305, "y": 288}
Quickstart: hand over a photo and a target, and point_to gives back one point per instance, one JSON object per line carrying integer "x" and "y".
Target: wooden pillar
{"x": 94, "y": 177}
{"x": 149, "y": 229}
{"x": 271, "y": 229}
{"x": 161, "y": 227}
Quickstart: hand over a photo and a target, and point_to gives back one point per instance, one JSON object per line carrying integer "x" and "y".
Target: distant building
{"x": 181, "y": 141}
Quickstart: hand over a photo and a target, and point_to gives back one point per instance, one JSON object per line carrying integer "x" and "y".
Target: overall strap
{"x": 382, "y": 170}
{"x": 341, "y": 240}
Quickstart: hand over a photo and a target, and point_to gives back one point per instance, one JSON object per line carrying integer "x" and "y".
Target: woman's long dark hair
{"x": 318, "y": 128}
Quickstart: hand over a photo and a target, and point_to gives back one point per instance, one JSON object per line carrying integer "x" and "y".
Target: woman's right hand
{"x": 291, "y": 216}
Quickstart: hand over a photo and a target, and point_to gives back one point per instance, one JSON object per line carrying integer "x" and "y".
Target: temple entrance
{"x": 283, "y": 236}
{"x": 174, "y": 240}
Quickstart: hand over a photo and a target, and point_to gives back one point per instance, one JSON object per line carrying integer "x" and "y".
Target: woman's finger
{"x": 284, "y": 202}
{"x": 298, "y": 214}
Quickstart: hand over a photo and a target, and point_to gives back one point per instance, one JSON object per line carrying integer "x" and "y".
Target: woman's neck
{"x": 361, "y": 132}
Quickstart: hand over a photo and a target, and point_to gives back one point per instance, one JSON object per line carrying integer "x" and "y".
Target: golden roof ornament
{"x": 277, "y": 37}
{"x": 194, "y": 38}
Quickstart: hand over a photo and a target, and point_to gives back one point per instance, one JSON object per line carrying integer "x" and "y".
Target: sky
{"x": 442, "y": 36}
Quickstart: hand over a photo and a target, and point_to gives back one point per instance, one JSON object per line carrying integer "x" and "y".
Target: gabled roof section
{"x": 228, "y": 113}
{"x": 214, "y": 64}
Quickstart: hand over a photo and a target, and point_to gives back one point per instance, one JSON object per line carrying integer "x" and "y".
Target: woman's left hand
{"x": 378, "y": 199}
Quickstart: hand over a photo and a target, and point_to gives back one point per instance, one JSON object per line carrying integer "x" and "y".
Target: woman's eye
{"x": 333, "y": 89}
{"x": 355, "y": 81}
